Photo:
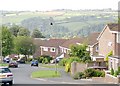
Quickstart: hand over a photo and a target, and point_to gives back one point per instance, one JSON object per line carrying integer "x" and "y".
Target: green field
{"x": 45, "y": 74}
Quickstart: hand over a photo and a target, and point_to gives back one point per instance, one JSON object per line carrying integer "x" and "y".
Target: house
{"x": 65, "y": 47}
{"x": 49, "y": 47}
{"x": 92, "y": 42}
{"x": 109, "y": 41}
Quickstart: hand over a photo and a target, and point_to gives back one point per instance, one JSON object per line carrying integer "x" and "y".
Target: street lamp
{"x": 51, "y": 23}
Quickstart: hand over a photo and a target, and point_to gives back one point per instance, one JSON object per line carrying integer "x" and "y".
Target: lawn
{"x": 45, "y": 74}
{"x": 3, "y": 64}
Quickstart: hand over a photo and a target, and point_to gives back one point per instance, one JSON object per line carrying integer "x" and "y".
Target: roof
{"x": 112, "y": 27}
{"x": 72, "y": 41}
{"x": 49, "y": 42}
{"x": 92, "y": 38}
{"x": 55, "y": 42}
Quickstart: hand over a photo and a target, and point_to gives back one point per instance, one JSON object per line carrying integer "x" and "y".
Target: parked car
{"x": 56, "y": 60}
{"x": 7, "y": 60}
{"x": 21, "y": 60}
{"x": 13, "y": 64}
{"x": 34, "y": 63}
{"x": 6, "y": 75}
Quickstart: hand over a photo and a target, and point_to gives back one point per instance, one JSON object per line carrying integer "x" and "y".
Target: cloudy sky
{"x": 44, "y": 5}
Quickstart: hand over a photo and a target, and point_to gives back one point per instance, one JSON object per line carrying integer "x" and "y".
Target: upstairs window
{"x": 45, "y": 49}
{"x": 52, "y": 49}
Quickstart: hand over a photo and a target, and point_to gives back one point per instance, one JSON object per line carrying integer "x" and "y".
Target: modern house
{"x": 109, "y": 42}
{"x": 49, "y": 47}
{"x": 65, "y": 47}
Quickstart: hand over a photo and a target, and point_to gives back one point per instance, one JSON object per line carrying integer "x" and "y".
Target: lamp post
{"x": 51, "y": 23}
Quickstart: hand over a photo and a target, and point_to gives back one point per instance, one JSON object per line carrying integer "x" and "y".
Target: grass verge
{"x": 3, "y": 64}
{"x": 45, "y": 74}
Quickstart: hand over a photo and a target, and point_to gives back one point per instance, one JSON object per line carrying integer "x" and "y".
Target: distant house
{"x": 49, "y": 47}
{"x": 109, "y": 41}
{"x": 65, "y": 47}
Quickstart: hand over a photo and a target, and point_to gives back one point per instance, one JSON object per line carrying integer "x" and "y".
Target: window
{"x": 109, "y": 43}
{"x": 118, "y": 38}
{"x": 97, "y": 49}
{"x": 45, "y": 49}
{"x": 52, "y": 49}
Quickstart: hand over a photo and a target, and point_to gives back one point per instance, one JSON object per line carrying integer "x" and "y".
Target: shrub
{"x": 98, "y": 73}
{"x": 119, "y": 69}
{"x": 63, "y": 62}
{"x": 45, "y": 61}
{"x": 29, "y": 59}
{"x": 116, "y": 73}
{"x": 112, "y": 72}
{"x": 79, "y": 75}
{"x": 89, "y": 72}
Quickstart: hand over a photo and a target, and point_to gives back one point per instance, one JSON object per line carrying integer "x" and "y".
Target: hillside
{"x": 66, "y": 23}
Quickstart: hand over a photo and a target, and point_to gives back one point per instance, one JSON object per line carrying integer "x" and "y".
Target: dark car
{"x": 34, "y": 63}
{"x": 7, "y": 60}
{"x": 22, "y": 60}
{"x": 13, "y": 64}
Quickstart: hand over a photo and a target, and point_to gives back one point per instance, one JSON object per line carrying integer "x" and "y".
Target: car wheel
{"x": 11, "y": 83}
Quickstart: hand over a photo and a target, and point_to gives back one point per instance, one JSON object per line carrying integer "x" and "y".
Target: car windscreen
{"x": 4, "y": 70}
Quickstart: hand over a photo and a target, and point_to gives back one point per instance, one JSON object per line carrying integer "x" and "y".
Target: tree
{"x": 37, "y": 34}
{"x": 7, "y": 41}
{"x": 24, "y": 45}
{"x": 80, "y": 52}
{"x": 24, "y": 32}
{"x": 15, "y": 30}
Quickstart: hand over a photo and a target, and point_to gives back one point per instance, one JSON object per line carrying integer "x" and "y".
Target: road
{"x": 22, "y": 75}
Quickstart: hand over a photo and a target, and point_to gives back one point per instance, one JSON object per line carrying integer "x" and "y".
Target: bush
{"x": 63, "y": 62}
{"x": 112, "y": 72}
{"x": 89, "y": 72}
{"x": 29, "y": 59}
{"x": 79, "y": 75}
{"x": 119, "y": 69}
{"x": 98, "y": 73}
{"x": 116, "y": 73}
{"x": 45, "y": 61}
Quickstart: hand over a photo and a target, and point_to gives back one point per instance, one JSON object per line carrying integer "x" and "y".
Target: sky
{"x": 44, "y": 5}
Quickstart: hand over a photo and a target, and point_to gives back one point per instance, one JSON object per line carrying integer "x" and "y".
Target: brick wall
{"x": 77, "y": 67}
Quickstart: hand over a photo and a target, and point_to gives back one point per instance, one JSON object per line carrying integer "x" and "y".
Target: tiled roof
{"x": 72, "y": 41}
{"x": 114, "y": 27}
{"x": 92, "y": 38}
{"x": 49, "y": 42}
{"x": 55, "y": 42}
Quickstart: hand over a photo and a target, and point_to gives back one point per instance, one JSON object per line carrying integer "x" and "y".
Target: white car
{"x": 6, "y": 76}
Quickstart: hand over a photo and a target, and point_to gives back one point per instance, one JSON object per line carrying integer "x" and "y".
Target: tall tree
{"x": 24, "y": 32}
{"x": 37, "y": 34}
{"x": 24, "y": 45}
{"x": 7, "y": 41}
{"x": 81, "y": 52}
{"x": 15, "y": 29}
